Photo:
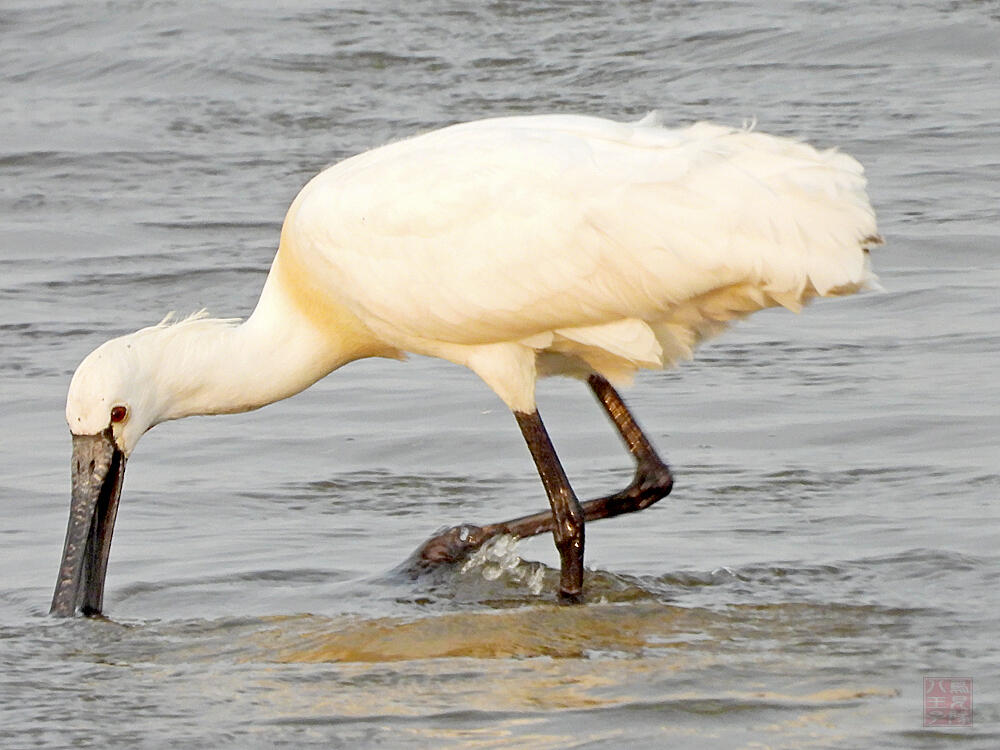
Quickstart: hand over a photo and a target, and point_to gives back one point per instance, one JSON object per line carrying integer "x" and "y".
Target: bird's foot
{"x": 451, "y": 545}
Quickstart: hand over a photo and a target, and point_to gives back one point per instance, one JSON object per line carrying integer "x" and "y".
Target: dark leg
{"x": 635, "y": 440}
{"x": 652, "y": 482}
{"x": 567, "y": 515}
{"x": 653, "y": 479}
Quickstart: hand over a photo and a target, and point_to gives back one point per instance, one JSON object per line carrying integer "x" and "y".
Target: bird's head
{"x": 112, "y": 401}
{"x": 114, "y": 392}
{"x": 120, "y": 390}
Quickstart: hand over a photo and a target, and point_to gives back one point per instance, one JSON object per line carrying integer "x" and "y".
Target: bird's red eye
{"x": 118, "y": 413}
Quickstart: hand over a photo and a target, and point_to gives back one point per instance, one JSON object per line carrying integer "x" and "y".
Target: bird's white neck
{"x": 217, "y": 367}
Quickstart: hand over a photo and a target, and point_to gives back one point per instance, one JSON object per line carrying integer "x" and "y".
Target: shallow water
{"x": 832, "y": 535}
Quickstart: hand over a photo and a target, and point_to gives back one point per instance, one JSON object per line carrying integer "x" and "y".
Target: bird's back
{"x": 620, "y": 245}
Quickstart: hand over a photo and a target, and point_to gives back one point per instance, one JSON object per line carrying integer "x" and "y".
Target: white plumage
{"x": 518, "y": 247}
{"x": 621, "y": 245}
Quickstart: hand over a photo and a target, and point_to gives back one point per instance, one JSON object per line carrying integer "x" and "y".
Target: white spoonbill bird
{"x": 519, "y": 247}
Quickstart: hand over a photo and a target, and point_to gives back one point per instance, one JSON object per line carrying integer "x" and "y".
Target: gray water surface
{"x": 832, "y": 535}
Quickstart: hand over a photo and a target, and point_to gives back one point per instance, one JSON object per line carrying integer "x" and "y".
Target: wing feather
{"x": 505, "y": 229}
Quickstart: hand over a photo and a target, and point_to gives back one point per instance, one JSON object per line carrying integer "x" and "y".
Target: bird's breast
{"x": 301, "y": 281}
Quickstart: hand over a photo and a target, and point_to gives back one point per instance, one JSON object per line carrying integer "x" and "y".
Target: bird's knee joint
{"x": 655, "y": 477}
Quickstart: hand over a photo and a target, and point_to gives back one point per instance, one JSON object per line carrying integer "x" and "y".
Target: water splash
{"x": 498, "y": 559}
